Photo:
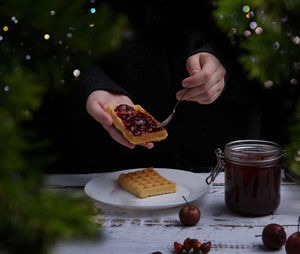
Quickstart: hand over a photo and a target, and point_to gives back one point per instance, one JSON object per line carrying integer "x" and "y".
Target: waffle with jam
{"x": 136, "y": 124}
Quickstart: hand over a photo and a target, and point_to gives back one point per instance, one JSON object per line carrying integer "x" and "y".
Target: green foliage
{"x": 19, "y": 97}
{"x": 32, "y": 219}
{"x": 100, "y": 32}
{"x": 293, "y": 148}
{"x": 270, "y": 52}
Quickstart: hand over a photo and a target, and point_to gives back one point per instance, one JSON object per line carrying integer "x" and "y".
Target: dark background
{"x": 245, "y": 110}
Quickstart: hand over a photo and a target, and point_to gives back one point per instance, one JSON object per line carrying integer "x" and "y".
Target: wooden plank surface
{"x": 129, "y": 232}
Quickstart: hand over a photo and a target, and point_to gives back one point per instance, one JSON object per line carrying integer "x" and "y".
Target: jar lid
{"x": 252, "y": 151}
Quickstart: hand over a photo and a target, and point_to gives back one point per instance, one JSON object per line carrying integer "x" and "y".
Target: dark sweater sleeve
{"x": 95, "y": 79}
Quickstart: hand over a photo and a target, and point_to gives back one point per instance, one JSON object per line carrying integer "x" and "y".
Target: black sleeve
{"x": 95, "y": 79}
{"x": 201, "y": 31}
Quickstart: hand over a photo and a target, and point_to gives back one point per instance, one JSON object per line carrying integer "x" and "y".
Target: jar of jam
{"x": 252, "y": 176}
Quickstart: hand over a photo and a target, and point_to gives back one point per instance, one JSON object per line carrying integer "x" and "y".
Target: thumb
{"x": 97, "y": 112}
{"x": 106, "y": 118}
{"x": 193, "y": 64}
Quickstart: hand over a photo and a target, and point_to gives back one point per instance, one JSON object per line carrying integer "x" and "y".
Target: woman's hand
{"x": 206, "y": 80}
{"x": 95, "y": 105}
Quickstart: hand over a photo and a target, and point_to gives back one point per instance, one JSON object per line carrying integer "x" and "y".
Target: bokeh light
{"x": 253, "y": 25}
{"x": 27, "y": 114}
{"x": 275, "y": 45}
{"x": 294, "y": 81}
{"x": 259, "y": 30}
{"x": 296, "y": 40}
{"x": 250, "y": 14}
{"x": 92, "y": 10}
{"x": 268, "y": 83}
{"x": 76, "y": 73}
{"x": 5, "y": 28}
{"x": 246, "y": 8}
{"x": 46, "y": 36}
{"x": 247, "y": 33}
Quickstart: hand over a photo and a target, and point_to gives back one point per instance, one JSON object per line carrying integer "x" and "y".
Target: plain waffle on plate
{"x": 145, "y": 183}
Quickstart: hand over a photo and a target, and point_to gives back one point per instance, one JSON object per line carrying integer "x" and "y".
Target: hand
{"x": 95, "y": 105}
{"x": 206, "y": 80}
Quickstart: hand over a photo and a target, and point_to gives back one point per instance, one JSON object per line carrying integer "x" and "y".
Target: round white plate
{"x": 106, "y": 189}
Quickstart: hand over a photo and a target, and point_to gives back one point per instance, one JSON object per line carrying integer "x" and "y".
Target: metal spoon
{"x": 170, "y": 117}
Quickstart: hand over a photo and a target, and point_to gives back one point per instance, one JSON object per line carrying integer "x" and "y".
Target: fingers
{"x": 207, "y": 97}
{"x": 201, "y": 77}
{"x": 209, "y": 64}
{"x": 104, "y": 118}
{"x": 149, "y": 145}
{"x": 193, "y": 64}
{"x": 206, "y": 85}
{"x": 118, "y": 137}
{"x": 95, "y": 105}
{"x": 215, "y": 78}
{"x": 98, "y": 113}
{"x": 207, "y": 92}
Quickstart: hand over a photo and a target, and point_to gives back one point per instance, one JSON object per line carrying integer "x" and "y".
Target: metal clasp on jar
{"x": 218, "y": 168}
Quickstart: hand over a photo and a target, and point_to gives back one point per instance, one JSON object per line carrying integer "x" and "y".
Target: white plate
{"x": 106, "y": 189}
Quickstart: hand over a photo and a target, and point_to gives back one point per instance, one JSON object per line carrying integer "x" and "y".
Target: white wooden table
{"x": 130, "y": 232}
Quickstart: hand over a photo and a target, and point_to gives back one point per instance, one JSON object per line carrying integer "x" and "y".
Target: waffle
{"x": 136, "y": 124}
{"x": 145, "y": 183}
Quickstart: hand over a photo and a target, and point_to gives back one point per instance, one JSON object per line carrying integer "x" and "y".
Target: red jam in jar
{"x": 252, "y": 176}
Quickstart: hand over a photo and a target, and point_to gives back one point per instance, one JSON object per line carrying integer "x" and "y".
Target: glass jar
{"x": 252, "y": 176}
